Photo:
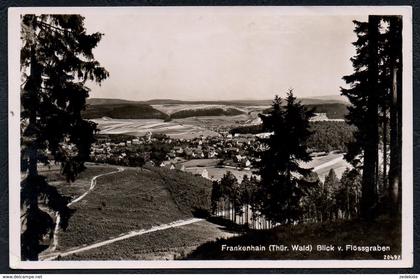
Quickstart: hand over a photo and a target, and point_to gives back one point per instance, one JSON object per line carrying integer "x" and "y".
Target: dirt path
{"x": 124, "y": 236}
{"x": 54, "y": 244}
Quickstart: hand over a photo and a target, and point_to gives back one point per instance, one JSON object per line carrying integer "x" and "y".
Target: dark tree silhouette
{"x": 279, "y": 166}
{"x": 331, "y": 186}
{"x": 216, "y": 195}
{"x": 395, "y": 70}
{"x": 230, "y": 189}
{"x": 348, "y": 194}
{"x": 56, "y": 61}
{"x": 375, "y": 97}
{"x": 314, "y": 200}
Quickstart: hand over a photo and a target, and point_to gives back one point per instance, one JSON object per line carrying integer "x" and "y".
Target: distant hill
{"x": 333, "y": 106}
{"x": 305, "y": 101}
{"x": 106, "y": 101}
{"x": 333, "y": 110}
{"x": 226, "y": 103}
{"x": 211, "y": 111}
{"x": 333, "y": 98}
{"x": 123, "y": 110}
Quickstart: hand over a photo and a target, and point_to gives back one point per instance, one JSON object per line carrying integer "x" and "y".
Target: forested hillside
{"x": 326, "y": 135}
{"x": 123, "y": 111}
{"x": 207, "y": 112}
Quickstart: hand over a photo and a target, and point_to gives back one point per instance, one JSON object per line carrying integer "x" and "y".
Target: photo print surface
{"x": 169, "y": 137}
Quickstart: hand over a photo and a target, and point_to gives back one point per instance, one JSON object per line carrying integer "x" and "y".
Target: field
{"x": 139, "y": 127}
{"x": 174, "y": 108}
{"x": 129, "y": 200}
{"x": 216, "y": 173}
{"x": 321, "y": 165}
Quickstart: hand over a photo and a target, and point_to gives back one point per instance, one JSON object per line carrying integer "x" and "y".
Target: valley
{"x": 149, "y": 213}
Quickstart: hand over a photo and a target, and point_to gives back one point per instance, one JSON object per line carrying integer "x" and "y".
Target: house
{"x": 178, "y": 149}
{"x": 188, "y": 152}
{"x": 205, "y": 174}
{"x": 171, "y": 154}
{"x": 149, "y": 164}
{"x": 148, "y": 136}
{"x": 237, "y": 158}
{"x": 212, "y": 154}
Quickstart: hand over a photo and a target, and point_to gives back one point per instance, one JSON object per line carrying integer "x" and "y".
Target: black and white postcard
{"x": 210, "y": 137}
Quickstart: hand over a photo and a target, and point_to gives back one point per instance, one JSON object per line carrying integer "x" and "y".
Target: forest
{"x": 206, "y": 112}
{"x": 325, "y": 136}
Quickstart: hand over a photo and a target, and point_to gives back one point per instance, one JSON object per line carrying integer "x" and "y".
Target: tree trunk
{"x": 34, "y": 79}
{"x": 369, "y": 178}
{"x": 347, "y": 202}
{"x": 30, "y": 241}
{"x": 385, "y": 150}
{"x": 395, "y": 183}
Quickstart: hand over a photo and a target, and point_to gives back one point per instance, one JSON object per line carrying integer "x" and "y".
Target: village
{"x": 234, "y": 151}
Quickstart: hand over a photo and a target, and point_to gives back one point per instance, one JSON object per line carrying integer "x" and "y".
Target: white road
{"x": 124, "y": 236}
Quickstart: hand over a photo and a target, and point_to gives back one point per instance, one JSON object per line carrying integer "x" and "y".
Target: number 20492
{"x": 392, "y": 257}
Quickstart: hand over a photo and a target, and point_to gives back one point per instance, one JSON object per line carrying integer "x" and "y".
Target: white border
{"x": 14, "y": 143}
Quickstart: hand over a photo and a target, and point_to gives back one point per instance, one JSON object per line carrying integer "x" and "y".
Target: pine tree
{"x": 395, "y": 83}
{"x": 357, "y": 94}
{"x": 279, "y": 168}
{"x": 314, "y": 198}
{"x": 375, "y": 97}
{"x": 230, "y": 189}
{"x": 331, "y": 186}
{"x": 56, "y": 61}
{"x": 349, "y": 193}
{"x": 216, "y": 194}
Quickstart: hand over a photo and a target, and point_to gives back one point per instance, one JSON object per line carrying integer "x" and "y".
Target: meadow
{"x": 129, "y": 200}
{"x": 173, "y": 243}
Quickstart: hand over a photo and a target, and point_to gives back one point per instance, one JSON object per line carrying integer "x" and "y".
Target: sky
{"x": 220, "y": 54}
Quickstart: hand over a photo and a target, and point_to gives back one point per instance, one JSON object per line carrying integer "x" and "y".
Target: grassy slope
{"x": 161, "y": 245}
{"x": 382, "y": 232}
{"x": 80, "y": 185}
{"x": 131, "y": 200}
{"x": 123, "y": 111}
